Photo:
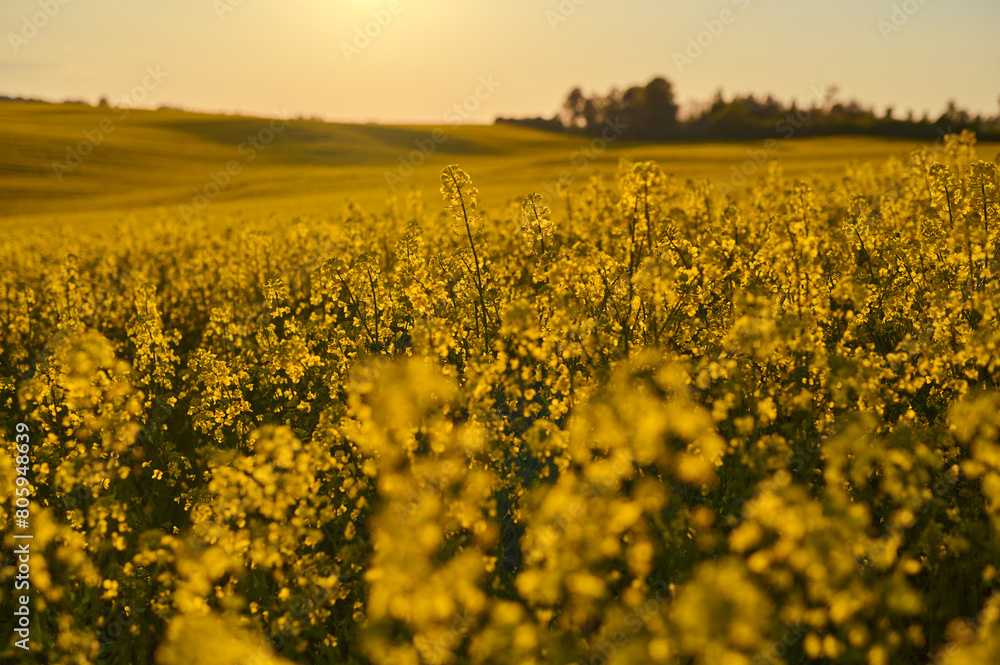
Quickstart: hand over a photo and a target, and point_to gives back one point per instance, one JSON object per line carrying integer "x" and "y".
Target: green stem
{"x": 475, "y": 259}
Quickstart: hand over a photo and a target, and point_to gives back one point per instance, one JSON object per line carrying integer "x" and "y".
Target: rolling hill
{"x": 74, "y": 163}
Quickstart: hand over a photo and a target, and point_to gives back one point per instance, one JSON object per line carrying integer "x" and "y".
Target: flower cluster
{"x": 648, "y": 422}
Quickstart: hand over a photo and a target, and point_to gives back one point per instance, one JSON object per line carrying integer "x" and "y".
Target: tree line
{"x": 650, "y": 113}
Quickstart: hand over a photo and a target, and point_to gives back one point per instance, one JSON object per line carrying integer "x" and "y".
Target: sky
{"x": 445, "y": 61}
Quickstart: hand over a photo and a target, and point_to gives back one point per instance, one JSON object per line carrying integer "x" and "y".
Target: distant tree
{"x": 630, "y": 112}
{"x": 573, "y": 108}
{"x": 831, "y": 95}
{"x": 650, "y": 112}
{"x": 608, "y": 108}
{"x": 591, "y": 113}
{"x": 659, "y": 110}
{"x": 553, "y": 124}
{"x": 954, "y": 115}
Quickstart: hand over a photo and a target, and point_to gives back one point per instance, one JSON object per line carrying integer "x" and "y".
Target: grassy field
{"x": 691, "y": 430}
{"x": 149, "y": 163}
{"x": 658, "y": 424}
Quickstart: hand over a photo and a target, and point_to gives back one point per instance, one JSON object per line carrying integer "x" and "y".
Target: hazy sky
{"x": 306, "y": 56}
